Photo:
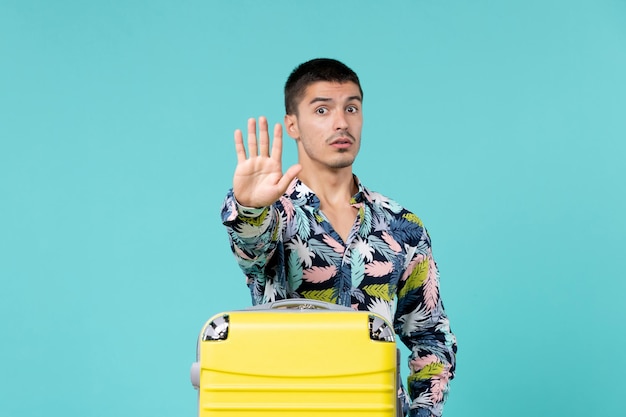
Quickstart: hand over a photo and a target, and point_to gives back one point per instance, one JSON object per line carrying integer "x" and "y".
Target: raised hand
{"x": 259, "y": 180}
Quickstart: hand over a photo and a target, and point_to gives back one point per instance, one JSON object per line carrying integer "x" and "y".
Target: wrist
{"x": 247, "y": 211}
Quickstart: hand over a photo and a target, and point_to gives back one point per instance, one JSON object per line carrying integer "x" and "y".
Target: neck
{"x": 332, "y": 188}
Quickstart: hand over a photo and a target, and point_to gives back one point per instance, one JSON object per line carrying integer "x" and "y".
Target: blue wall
{"x": 507, "y": 119}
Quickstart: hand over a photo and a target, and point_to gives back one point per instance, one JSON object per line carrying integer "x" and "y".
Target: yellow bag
{"x": 296, "y": 358}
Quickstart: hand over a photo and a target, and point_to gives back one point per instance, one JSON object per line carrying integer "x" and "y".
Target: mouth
{"x": 341, "y": 143}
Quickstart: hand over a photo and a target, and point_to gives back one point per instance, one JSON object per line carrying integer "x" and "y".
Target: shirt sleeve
{"x": 422, "y": 325}
{"x": 254, "y": 236}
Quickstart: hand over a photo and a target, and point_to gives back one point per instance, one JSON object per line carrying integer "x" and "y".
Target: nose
{"x": 341, "y": 123}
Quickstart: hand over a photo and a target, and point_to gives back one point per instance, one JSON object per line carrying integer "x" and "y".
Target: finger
{"x": 252, "y": 148}
{"x": 239, "y": 148}
{"x": 289, "y": 176}
{"x": 277, "y": 145}
{"x": 264, "y": 137}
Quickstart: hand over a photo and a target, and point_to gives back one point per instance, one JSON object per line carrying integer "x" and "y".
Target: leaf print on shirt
{"x": 419, "y": 362}
{"x": 428, "y": 371}
{"x": 241, "y": 254}
{"x": 324, "y": 252}
{"x": 444, "y": 323}
{"x": 365, "y": 227}
{"x": 385, "y": 203}
{"x": 358, "y": 295}
{"x": 319, "y": 274}
{"x": 382, "y": 247}
{"x": 317, "y": 226}
{"x": 321, "y": 295}
{"x": 413, "y": 218}
{"x": 272, "y": 291}
{"x": 301, "y": 248}
{"x": 409, "y": 268}
{"x": 379, "y": 222}
{"x": 378, "y": 291}
{"x": 439, "y": 374}
{"x": 364, "y": 249}
{"x": 248, "y": 230}
{"x": 380, "y": 307}
{"x": 424, "y": 400}
{"x": 416, "y": 278}
{"x": 337, "y": 247}
{"x": 439, "y": 384}
{"x": 431, "y": 286}
{"x": 295, "y": 271}
{"x": 304, "y": 230}
{"x": 405, "y": 230}
{"x": 393, "y": 245}
{"x": 288, "y": 208}
{"x": 290, "y": 230}
{"x": 255, "y": 221}
{"x": 357, "y": 264}
{"x": 414, "y": 321}
{"x": 378, "y": 269}
{"x": 343, "y": 284}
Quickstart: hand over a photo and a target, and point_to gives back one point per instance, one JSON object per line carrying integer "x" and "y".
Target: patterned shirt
{"x": 386, "y": 266}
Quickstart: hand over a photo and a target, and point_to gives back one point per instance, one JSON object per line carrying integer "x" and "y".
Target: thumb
{"x": 289, "y": 176}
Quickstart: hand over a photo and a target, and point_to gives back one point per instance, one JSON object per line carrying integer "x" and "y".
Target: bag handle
{"x": 300, "y": 304}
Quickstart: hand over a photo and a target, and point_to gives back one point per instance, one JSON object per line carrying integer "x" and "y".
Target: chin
{"x": 344, "y": 163}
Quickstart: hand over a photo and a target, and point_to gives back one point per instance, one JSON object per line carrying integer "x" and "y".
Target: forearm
{"x": 254, "y": 235}
{"x": 432, "y": 367}
{"x": 422, "y": 324}
{"x": 252, "y": 231}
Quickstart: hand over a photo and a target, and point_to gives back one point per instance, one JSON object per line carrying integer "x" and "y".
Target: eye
{"x": 321, "y": 110}
{"x": 352, "y": 109}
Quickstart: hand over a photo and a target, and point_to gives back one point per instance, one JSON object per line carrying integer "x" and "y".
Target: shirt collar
{"x": 300, "y": 194}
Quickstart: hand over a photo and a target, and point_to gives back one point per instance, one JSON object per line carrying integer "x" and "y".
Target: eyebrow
{"x": 326, "y": 99}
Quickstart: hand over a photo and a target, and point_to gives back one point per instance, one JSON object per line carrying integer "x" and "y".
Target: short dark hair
{"x": 319, "y": 69}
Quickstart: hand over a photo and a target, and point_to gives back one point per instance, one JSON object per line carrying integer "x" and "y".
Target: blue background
{"x": 501, "y": 123}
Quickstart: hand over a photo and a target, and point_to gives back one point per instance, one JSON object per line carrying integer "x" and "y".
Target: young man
{"x": 315, "y": 231}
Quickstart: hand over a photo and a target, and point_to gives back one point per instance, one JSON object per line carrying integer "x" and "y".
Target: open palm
{"x": 259, "y": 180}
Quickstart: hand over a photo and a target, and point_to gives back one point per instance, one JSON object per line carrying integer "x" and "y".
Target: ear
{"x": 291, "y": 124}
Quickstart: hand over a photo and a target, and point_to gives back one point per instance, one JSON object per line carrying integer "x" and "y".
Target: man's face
{"x": 328, "y": 124}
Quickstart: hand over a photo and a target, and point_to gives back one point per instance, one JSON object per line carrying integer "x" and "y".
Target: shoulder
{"x": 403, "y": 224}
{"x": 382, "y": 202}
